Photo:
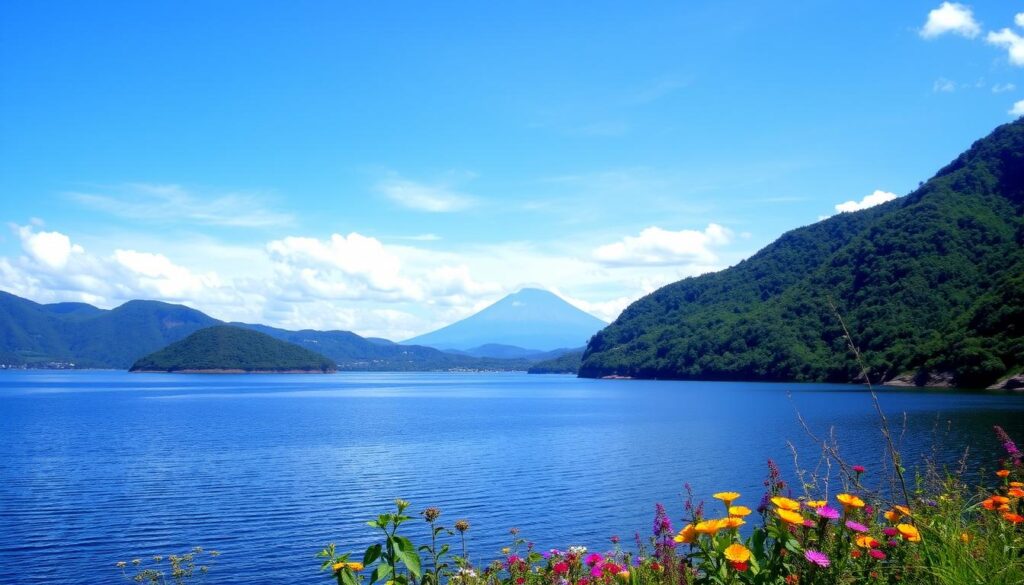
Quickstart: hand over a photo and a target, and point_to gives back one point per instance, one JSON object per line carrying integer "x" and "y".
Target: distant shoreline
{"x": 230, "y": 371}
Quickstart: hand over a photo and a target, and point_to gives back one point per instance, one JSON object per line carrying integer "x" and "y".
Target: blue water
{"x": 97, "y": 467}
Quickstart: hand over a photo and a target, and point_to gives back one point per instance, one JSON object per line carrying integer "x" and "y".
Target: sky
{"x": 390, "y": 167}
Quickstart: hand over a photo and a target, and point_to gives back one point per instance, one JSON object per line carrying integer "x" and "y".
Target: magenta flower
{"x": 877, "y": 554}
{"x": 890, "y": 531}
{"x": 1008, "y": 444}
{"x": 828, "y": 512}
{"x": 593, "y": 559}
{"x": 817, "y": 557}
{"x": 858, "y": 469}
{"x": 893, "y": 543}
{"x": 561, "y": 568}
{"x": 856, "y": 526}
{"x": 809, "y": 523}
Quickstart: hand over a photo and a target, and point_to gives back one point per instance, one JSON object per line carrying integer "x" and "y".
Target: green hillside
{"x": 223, "y": 347}
{"x": 567, "y": 363}
{"x": 928, "y": 283}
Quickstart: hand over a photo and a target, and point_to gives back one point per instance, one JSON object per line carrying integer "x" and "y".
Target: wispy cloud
{"x": 434, "y": 198}
{"x": 1003, "y": 87}
{"x": 174, "y": 203}
{"x": 1011, "y": 41}
{"x": 951, "y": 18}
{"x": 943, "y": 85}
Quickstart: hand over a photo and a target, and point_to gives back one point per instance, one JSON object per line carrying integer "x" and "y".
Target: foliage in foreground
{"x": 943, "y": 532}
{"x": 176, "y": 569}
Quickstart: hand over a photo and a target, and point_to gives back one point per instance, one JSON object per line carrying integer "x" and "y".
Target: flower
{"x": 430, "y": 514}
{"x": 909, "y": 532}
{"x": 827, "y": 512}
{"x": 709, "y": 527}
{"x": 866, "y": 541}
{"x": 890, "y": 532}
{"x": 351, "y": 566}
{"x": 1009, "y": 445}
{"x": 462, "y": 525}
{"x": 1003, "y": 473}
{"x": 1017, "y": 484}
{"x": 731, "y": 522}
{"x": 593, "y": 559}
{"x": 561, "y": 568}
{"x": 858, "y": 469}
{"x": 875, "y": 553}
{"x": 790, "y": 517}
{"x": 815, "y": 503}
{"x": 624, "y": 575}
{"x": 856, "y": 526}
{"x": 817, "y": 557}
{"x": 1015, "y": 518}
{"x": 687, "y": 535}
{"x": 850, "y": 501}
{"x": 902, "y": 509}
{"x": 892, "y": 515}
{"x": 727, "y": 497}
{"x": 738, "y": 511}
{"x": 737, "y": 553}
{"x": 989, "y": 504}
{"x": 739, "y": 566}
{"x": 786, "y": 503}
{"x": 965, "y": 538}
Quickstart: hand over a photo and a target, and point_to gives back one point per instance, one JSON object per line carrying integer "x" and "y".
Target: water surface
{"x": 97, "y": 467}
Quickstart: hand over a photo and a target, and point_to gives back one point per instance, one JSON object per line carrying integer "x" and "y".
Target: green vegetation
{"x": 567, "y": 363}
{"x": 929, "y": 283}
{"x": 223, "y": 347}
{"x": 942, "y": 532}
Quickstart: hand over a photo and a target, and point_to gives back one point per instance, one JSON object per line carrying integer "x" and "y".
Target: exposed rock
{"x": 1011, "y": 383}
{"x": 923, "y": 379}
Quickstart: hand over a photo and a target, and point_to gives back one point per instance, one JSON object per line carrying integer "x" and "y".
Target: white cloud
{"x": 952, "y": 18}
{"x": 433, "y": 198}
{"x": 1017, "y": 109}
{"x": 52, "y": 249}
{"x": 1003, "y": 87}
{"x": 1019, "y": 19}
{"x": 172, "y": 203}
{"x": 1011, "y": 41}
{"x": 655, "y": 246}
{"x": 156, "y": 275}
{"x": 943, "y": 85}
{"x": 876, "y": 198}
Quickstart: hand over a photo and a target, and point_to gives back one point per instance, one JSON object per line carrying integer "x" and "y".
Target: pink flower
{"x": 858, "y": 469}
{"x": 856, "y": 526}
{"x": 828, "y": 512}
{"x": 890, "y": 531}
{"x": 593, "y": 559}
{"x": 561, "y": 568}
{"x": 817, "y": 557}
{"x": 877, "y": 554}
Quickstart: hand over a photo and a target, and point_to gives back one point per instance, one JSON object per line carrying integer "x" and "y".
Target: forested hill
{"x": 225, "y": 348}
{"x": 931, "y": 283}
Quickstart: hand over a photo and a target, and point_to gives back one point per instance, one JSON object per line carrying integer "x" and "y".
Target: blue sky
{"x": 390, "y": 167}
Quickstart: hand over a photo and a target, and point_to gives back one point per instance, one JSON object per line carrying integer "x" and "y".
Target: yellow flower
{"x": 731, "y": 522}
{"x": 892, "y": 515}
{"x": 815, "y": 504}
{"x": 737, "y": 553}
{"x": 866, "y": 541}
{"x": 1017, "y": 484}
{"x": 727, "y": 497}
{"x": 624, "y": 575}
{"x": 687, "y": 535}
{"x": 709, "y": 527}
{"x": 909, "y": 532}
{"x": 738, "y": 511}
{"x": 506, "y": 550}
{"x": 902, "y": 509}
{"x": 850, "y": 501}
{"x": 965, "y": 538}
{"x": 786, "y": 503}
{"x": 790, "y": 517}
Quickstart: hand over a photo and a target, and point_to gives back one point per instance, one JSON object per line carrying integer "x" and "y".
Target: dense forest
{"x": 223, "y": 347}
{"x": 928, "y": 283}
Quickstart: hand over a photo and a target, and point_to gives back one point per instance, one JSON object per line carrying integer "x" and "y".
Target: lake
{"x": 97, "y": 467}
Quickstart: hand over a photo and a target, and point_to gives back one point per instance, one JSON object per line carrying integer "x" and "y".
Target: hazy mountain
{"x": 931, "y": 284}
{"x": 530, "y": 319}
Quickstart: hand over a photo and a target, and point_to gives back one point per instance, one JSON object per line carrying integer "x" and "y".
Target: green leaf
{"x": 406, "y": 552}
{"x": 348, "y": 578}
{"x": 380, "y": 572}
{"x": 372, "y": 554}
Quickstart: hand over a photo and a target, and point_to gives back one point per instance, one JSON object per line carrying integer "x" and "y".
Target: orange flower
{"x": 731, "y": 522}
{"x": 1017, "y": 484}
{"x": 965, "y": 538}
{"x": 687, "y": 535}
{"x": 1000, "y": 499}
{"x": 727, "y": 497}
{"x": 855, "y": 553}
{"x": 1015, "y": 518}
{"x": 786, "y": 503}
{"x": 1003, "y": 473}
{"x": 738, "y": 511}
{"x": 892, "y": 515}
{"x": 989, "y": 504}
{"x": 909, "y": 532}
{"x": 737, "y": 553}
{"x": 902, "y": 509}
{"x": 1015, "y": 493}
{"x": 866, "y": 541}
{"x": 850, "y": 501}
{"x": 709, "y": 527}
{"x": 814, "y": 504}
{"x": 1003, "y": 507}
{"x": 790, "y": 517}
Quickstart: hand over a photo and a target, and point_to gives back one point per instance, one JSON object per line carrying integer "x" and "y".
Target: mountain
{"x": 567, "y": 363}
{"x": 80, "y": 335}
{"x": 223, "y": 348}
{"x": 88, "y": 336}
{"x": 931, "y": 286}
{"x": 531, "y": 318}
